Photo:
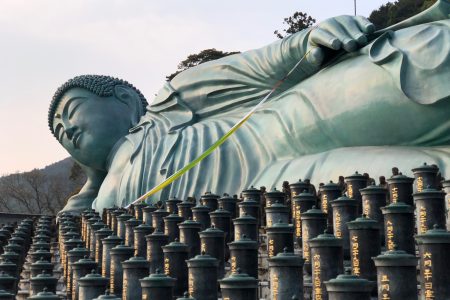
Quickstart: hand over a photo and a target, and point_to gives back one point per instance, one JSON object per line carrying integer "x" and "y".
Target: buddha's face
{"x": 88, "y": 126}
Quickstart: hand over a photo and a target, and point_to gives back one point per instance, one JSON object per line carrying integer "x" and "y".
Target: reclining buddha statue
{"x": 358, "y": 100}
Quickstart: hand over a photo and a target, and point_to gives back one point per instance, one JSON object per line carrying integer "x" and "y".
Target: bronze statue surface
{"x": 385, "y": 102}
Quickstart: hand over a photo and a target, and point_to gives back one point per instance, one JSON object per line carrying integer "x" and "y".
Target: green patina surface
{"x": 368, "y": 102}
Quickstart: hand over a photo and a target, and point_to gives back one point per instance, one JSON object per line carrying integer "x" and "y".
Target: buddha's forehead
{"x": 70, "y": 95}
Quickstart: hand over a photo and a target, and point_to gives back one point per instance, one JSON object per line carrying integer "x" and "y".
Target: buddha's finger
{"x": 333, "y": 27}
{"x": 315, "y": 56}
{"x": 365, "y": 25}
{"x": 319, "y": 37}
{"x": 353, "y": 30}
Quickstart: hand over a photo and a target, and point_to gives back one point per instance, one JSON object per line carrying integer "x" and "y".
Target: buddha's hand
{"x": 340, "y": 33}
{"x": 79, "y": 202}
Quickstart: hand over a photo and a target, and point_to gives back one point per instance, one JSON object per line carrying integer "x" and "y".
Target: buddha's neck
{"x": 112, "y": 154}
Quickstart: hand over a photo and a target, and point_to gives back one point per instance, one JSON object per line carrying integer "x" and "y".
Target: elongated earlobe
{"x": 130, "y": 98}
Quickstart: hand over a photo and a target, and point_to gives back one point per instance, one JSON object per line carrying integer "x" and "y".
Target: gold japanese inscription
{"x": 428, "y": 276}
{"x": 317, "y": 278}
{"x": 271, "y": 247}
{"x": 337, "y": 225}
{"x": 97, "y": 251}
{"x": 149, "y": 254}
{"x": 419, "y": 184}
{"x": 191, "y": 284}
{"x": 422, "y": 220}
{"x": 394, "y": 193}
{"x": 136, "y": 245}
{"x": 111, "y": 278}
{"x": 355, "y": 256}
{"x": 237, "y": 234}
{"x": 74, "y": 285}
{"x": 385, "y": 288}
{"x": 390, "y": 235}
{"x": 305, "y": 246}
{"x": 203, "y": 247}
{"x": 325, "y": 203}
{"x": 350, "y": 190}
{"x": 69, "y": 271}
{"x": 298, "y": 221}
{"x": 167, "y": 266}
{"x": 366, "y": 207}
{"x": 233, "y": 264}
{"x": 125, "y": 284}
{"x": 104, "y": 266}
{"x": 275, "y": 286}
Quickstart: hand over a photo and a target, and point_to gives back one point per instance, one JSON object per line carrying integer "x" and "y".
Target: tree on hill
{"x": 297, "y": 22}
{"x": 30, "y": 192}
{"x": 199, "y": 58}
{"x": 40, "y": 190}
{"x": 380, "y": 17}
{"x": 394, "y": 12}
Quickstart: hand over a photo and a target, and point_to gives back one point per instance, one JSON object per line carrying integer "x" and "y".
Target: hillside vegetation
{"x": 41, "y": 191}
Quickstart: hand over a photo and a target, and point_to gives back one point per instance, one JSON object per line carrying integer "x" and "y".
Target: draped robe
{"x": 386, "y": 105}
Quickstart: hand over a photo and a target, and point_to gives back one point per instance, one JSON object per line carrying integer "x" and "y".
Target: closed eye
{"x": 73, "y": 108}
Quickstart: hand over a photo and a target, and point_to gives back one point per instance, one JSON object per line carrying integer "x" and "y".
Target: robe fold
{"x": 386, "y": 105}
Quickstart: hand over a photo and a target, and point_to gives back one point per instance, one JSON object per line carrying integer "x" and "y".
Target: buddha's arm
{"x": 88, "y": 192}
{"x": 312, "y": 46}
{"x": 255, "y": 70}
{"x": 242, "y": 77}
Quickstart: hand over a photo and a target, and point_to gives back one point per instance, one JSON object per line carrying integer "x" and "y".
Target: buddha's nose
{"x": 70, "y": 131}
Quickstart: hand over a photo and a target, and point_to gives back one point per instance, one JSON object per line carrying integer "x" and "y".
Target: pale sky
{"x": 46, "y": 42}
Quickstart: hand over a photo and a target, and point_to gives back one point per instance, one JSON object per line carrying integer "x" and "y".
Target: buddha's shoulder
{"x": 130, "y": 145}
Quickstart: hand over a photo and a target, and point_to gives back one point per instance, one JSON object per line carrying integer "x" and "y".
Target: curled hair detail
{"x": 100, "y": 85}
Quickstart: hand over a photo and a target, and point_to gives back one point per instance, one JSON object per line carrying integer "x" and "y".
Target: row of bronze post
{"x": 26, "y": 267}
{"x": 183, "y": 245}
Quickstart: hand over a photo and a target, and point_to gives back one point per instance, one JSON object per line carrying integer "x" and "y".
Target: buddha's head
{"x": 89, "y": 114}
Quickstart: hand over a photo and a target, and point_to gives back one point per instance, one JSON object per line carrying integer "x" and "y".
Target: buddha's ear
{"x": 129, "y": 97}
